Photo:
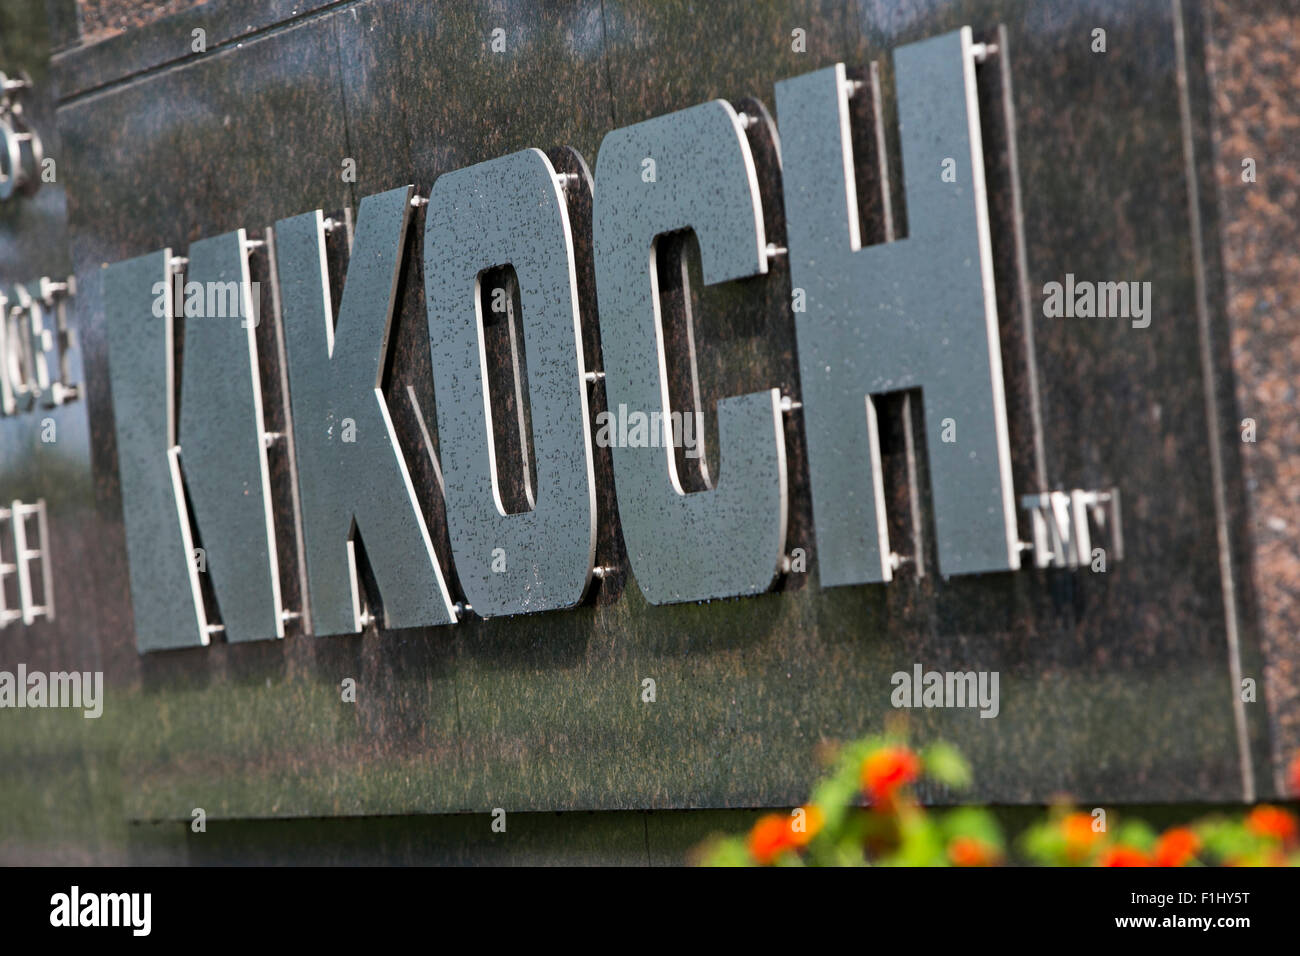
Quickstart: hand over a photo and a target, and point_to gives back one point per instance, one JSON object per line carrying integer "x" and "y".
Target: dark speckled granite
{"x": 1115, "y": 687}
{"x": 1254, "y": 68}
{"x": 104, "y": 18}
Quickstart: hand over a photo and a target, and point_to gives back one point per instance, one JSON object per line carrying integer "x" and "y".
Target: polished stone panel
{"x": 1116, "y": 687}
{"x": 117, "y": 45}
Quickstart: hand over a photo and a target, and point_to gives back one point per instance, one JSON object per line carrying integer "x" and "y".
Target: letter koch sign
{"x": 913, "y": 313}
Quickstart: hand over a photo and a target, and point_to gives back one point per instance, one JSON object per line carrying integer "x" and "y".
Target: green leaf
{"x": 730, "y": 851}
{"x": 976, "y": 823}
{"x": 1136, "y": 833}
{"x": 945, "y": 764}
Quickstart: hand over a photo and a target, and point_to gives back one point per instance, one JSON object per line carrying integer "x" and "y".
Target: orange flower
{"x": 1079, "y": 835}
{"x": 1177, "y": 847}
{"x": 1272, "y": 822}
{"x": 813, "y": 820}
{"x": 887, "y": 769}
{"x": 968, "y": 851}
{"x": 771, "y": 837}
{"x": 1293, "y": 775}
{"x": 1123, "y": 856}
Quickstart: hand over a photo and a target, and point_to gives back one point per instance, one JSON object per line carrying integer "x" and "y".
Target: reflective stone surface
{"x": 1116, "y": 687}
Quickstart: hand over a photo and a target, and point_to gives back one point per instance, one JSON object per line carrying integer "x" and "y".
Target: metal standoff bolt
{"x": 330, "y": 224}
{"x": 897, "y": 560}
{"x": 251, "y": 244}
{"x": 601, "y": 572}
{"x": 51, "y": 289}
{"x": 853, "y": 87}
{"x": 367, "y": 618}
{"x": 982, "y": 51}
{"x": 774, "y": 251}
{"x": 566, "y": 180}
{"x": 216, "y": 629}
{"x": 270, "y": 438}
{"x": 461, "y": 607}
{"x": 289, "y": 617}
{"x": 747, "y": 121}
{"x": 789, "y": 404}
{"x": 176, "y": 263}
{"x": 591, "y": 378}
{"x": 419, "y": 202}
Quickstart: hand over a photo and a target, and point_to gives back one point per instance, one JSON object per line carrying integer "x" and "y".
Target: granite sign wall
{"x": 1119, "y": 685}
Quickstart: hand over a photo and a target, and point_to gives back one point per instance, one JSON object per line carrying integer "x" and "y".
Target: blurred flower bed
{"x": 865, "y": 813}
